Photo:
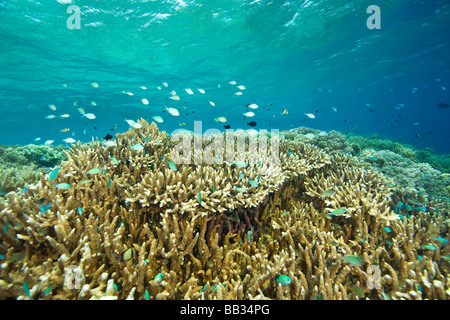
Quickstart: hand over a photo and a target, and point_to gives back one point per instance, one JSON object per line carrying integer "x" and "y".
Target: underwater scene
{"x": 224, "y": 150}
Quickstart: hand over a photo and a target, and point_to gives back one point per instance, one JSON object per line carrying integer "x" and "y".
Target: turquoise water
{"x": 303, "y": 56}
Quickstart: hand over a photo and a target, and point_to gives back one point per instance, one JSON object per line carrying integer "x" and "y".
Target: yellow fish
{"x": 64, "y": 130}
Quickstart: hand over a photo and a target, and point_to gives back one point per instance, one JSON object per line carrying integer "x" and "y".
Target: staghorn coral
{"x": 203, "y": 231}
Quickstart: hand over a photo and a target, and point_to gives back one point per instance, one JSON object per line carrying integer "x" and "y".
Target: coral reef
{"x": 22, "y": 165}
{"x": 140, "y": 220}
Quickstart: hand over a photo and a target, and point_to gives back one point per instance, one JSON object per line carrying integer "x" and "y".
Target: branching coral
{"x": 141, "y": 221}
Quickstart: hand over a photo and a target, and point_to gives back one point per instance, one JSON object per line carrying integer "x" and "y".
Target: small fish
{"x": 354, "y": 261}
{"x": 26, "y": 289}
{"x": 213, "y": 188}
{"x": 240, "y": 164}
{"x": 441, "y": 241}
{"x": 64, "y": 130}
{"x": 334, "y": 243}
{"x": 114, "y": 160}
{"x": 201, "y": 91}
{"x": 158, "y": 278}
{"x": 137, "y": 147}
{"x": 249, "y": 114}
{"x": 243, "y": 190}
{"x": 54, "y": 174}
{"x": 93, "y": 171}
{"x": 90, "y": 116}
{"x": 421, "y": 209}
{"x": 199, "y": 198}
{"x": 143, "y": 88}
{"x": 144, "y": 101}
{"x": 284, "y": 112}
{"x": 337, "y": 212}
{"x": 253, "y": 106}
{"x": 220, "y": 119}
{"x": 232, "y": 82}
{"x": 415, "y": 202}
{"x": 429, "y": 247}
{"x": 334, "y": 109}
{"x": 239, "y": 93}
{"x": 130, "y": 93}
{"x": 373, "y": 158}
{"x": 80, "y": 210}
{"x": 50, "y": 116}
{"x": 63, "y": 186}
{"x": 147, "y": 295}
{"x": 446, "y": 257}
{"x": 189, "y": 91}
{"x": 212, "y": 103}
{"x": 81, "y": 110}
{"x": 158, "y": 119}
{"x": 127, "y": 254}
{"x": 52, "y": 107}
{"x": 70, "y": 140}
{"x": 84, "y": 181}
{"x": 109, "y": 182}
{"x": 253, "y": 183}
{"x": 165, "y": 84}
{"x": 310, "y": 115}
{"x": 110, "y": 143}
{"x": 48, "y": 142}
{"x": 389, "y": 184}
{"x": 241, "y": 87}
{"x": 283, "y": 280}
{"x": 407, "y": 207}
{"x": 173, "y": 111}
{"x": 47, "y": 291}
{"x": 327, "y": 193}
{"x": 172, "y": 165}
{"x": 44, "y": 208}
{"x": 388, "y": 230}
{"x": 94, "y": 84}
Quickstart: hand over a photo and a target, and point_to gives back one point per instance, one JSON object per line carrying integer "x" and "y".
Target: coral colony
{"x": 128, "y": 219}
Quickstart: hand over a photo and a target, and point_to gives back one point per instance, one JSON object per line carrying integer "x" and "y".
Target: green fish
{"x": 441, "y": 241}
{"x": 199, "y": 198}
{"x": 389, "y": 184}
{"x": 253, "y": 183}
{"x": 172, "y": 165}
{"x": 373, "y": 158}
{"x": 446, "y": 257}
{"x": 240, "y": 164}
{"x": 429, "y": 247}
{"x": 290, "y": 153}
{"x": 334, "y": 243}
{"x": 387, "y": 229}
{"x": 337, "y": 212}
{"x": 327, "y": 193}
{"x": 54, "y": 174}
{"x": 354, "y": 261}
{"x": 26, "y": 289}
{"x": 158, "y": 278}
{"x": 137, "y": 147}
{"x": 63, "y": 186}
{"x": 415, "y": 202}
{"x": 47, "y": 291}
{"x": 109, "y": 182}
{"x": 421, "y": 209}
{"x": 114, "y": 160}
{"x": 147, "y": 295}
{"x": 283, "y": 279}
{"x": 94, "y": 171}
{"x": 213, "y": 189}
{"x": 5, "y": 229}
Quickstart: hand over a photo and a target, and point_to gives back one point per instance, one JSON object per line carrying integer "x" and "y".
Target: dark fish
{"x": 251, "y": 123}
{"x": 416, "y": 136}
{"x": 443, "y": 105}
{"x": 108, "y": 137}
{"x": 227, "y": 126}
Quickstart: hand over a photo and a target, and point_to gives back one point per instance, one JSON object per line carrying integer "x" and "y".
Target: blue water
{"x": 303, "y": 56}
